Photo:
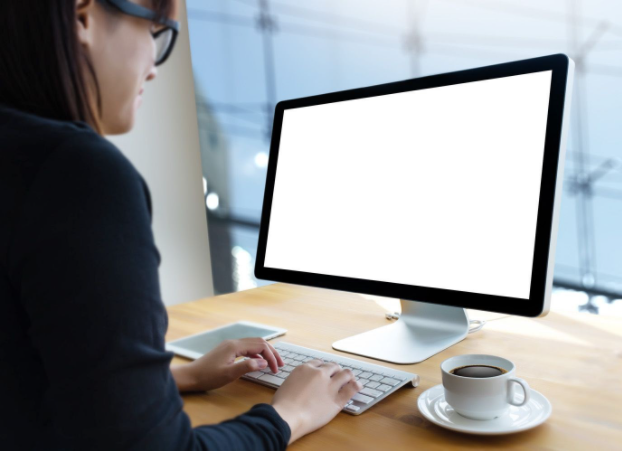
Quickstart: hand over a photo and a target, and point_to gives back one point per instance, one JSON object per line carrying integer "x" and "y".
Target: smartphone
{"x": 197, "y": 345}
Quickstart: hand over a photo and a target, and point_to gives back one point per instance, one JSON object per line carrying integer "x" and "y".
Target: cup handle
{"x": 526, "y": 389}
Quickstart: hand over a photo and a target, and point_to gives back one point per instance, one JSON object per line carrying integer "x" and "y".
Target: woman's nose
{"x": 153, "y": 73}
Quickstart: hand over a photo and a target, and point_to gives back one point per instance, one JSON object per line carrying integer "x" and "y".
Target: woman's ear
{"x": 175, "y": 10}
{"x": 84, "y": 21}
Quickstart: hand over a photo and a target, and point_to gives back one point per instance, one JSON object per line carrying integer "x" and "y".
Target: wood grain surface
{"x": 575, "y": 360}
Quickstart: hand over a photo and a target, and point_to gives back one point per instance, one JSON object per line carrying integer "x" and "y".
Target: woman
{"x": 82, "y": 360}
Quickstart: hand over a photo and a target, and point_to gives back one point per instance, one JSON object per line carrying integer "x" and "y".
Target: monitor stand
{"x": 421, "y": 331}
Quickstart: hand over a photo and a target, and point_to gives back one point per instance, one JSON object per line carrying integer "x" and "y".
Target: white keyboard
{"x": 378, "y": 381}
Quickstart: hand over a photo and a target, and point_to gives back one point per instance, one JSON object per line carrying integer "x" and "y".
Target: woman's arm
{"x": 86, "y": 267}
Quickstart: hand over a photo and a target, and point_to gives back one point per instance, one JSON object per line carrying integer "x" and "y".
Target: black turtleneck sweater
{"x": 82, "y": 323}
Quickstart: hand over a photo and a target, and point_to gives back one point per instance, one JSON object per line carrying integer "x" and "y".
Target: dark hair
{"x": 43, "y": 68}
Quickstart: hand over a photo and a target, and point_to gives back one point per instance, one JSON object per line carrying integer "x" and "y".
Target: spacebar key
{"x": 271, "y": 379}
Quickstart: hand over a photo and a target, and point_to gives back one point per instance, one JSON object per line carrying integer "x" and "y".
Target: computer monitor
{"x": 442, "y": 191}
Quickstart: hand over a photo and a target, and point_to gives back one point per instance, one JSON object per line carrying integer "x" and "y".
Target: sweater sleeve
{"x": 85, "y": 265}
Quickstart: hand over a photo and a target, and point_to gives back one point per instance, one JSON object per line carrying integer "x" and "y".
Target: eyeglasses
{"x": 164, "y": 38}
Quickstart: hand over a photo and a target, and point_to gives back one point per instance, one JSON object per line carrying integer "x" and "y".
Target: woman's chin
{"x": 119, "y": 127}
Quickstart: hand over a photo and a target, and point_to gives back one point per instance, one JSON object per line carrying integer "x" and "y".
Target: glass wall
{"x": 249, "y": 54}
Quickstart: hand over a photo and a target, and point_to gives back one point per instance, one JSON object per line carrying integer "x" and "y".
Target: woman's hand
{"x": 313, "y": 395}
{"x": 218, "y": 367}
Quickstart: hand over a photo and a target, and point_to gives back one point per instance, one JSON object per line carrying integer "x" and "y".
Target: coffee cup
{"x": 481, "y": 387}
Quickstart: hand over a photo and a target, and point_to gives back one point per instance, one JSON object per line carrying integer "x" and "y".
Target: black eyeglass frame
{"x": 132, "y": 9}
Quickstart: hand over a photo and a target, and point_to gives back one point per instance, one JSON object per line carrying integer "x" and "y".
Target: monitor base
{"x": 421, "y": 331}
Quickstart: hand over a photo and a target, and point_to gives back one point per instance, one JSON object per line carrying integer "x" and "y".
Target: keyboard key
{"x": 372, "y": 384}
{"x": 356, "y": 372}
{"x": 307, "y": 359}
{"x": 363, "y": 381}
{"x": 282, "y": 374}
{"x": 358, "y": 397}
{"x": 366, "y": 375}
{"x": 353, "y": 408}
{"x": 288, "y": 360}
{"x": 300, "y": 357}
{"x": 255, "y": 374}
{"x": 384, "y": 387}
{"x": 272, "y": 379}
{"x": 295, "y": 363}
{"x": 389, "y": 381}
{"x": 371, "y": 392}
{"x": 288, "y": 368}
{"x": 376, "y": 377}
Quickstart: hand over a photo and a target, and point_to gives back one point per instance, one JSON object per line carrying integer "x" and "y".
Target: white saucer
{"x": 433, "y": 406}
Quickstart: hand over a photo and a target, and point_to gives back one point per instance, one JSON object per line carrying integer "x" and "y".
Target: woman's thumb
{"x": 249, "y": 365}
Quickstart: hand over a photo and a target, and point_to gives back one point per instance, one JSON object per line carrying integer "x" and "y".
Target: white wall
{"x": 164, "y": 147}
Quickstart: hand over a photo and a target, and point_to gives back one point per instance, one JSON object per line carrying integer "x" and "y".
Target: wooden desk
{"x": 574, "y": 360}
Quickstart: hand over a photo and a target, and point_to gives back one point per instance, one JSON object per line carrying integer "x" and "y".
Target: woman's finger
{"x": 269, "y": 356}
{"x": 347, "y": 392}
{"x": 315, "y": 363}
{"x": 331, "y": 368}
{"x": 247, "y": 346}
{"x": 279, "y": 359}
{"x": 341, "y": 378}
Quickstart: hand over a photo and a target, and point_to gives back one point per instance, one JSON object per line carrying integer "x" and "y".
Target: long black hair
{"x": 43, "y": 68}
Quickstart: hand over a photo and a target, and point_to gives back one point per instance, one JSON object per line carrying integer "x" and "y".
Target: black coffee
{"x": 478, "y": 371}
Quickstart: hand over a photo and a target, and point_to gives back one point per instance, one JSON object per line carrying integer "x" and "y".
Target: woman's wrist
{"x": 184, "y": 377}
{"x": 293, "y": 418}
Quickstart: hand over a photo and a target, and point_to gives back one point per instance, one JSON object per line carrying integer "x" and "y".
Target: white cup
{"x": 481, "y": 398}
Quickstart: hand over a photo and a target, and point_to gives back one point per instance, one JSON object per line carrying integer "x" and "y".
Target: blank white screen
{"x": 435, "y": 188}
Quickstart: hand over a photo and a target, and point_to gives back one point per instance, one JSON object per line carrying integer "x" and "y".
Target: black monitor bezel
{"x": 559, "y": 64}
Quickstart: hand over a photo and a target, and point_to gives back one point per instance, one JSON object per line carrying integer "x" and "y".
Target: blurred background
{"x": 249, "y": 54}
